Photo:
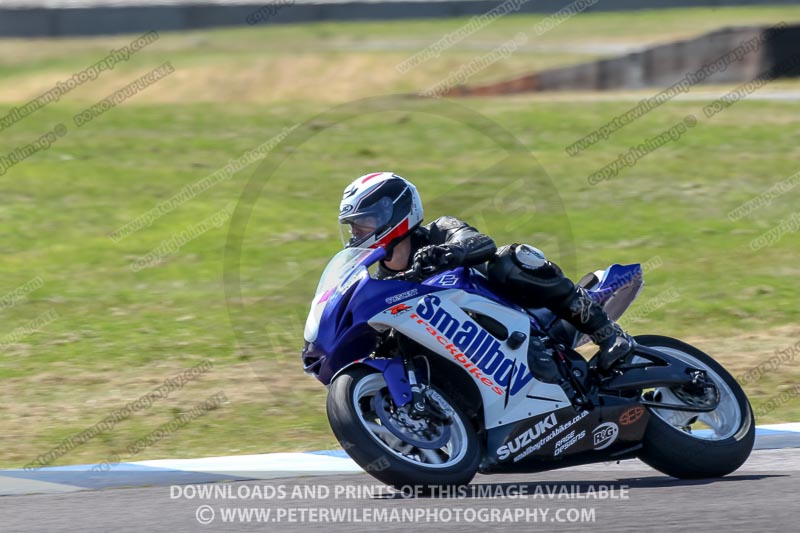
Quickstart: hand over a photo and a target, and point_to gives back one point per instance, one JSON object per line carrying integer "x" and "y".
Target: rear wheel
{"x": 687, "y": 444}
{"x": 391, "y": 446}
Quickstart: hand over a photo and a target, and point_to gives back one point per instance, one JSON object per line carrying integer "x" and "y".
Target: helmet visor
{"x": 361, "y": 227}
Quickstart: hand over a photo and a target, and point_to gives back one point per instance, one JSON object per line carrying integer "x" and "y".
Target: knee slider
{"x": 528, "y": 258}
{"x": 533, "y": 265}
{"x": 520, "y": 261}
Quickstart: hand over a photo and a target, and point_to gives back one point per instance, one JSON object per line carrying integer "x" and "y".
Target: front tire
{"x": 353, "y": 400}
{"x": 726, "y": 439}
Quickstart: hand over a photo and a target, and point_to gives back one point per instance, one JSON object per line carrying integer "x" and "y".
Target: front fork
{"x": 401, "y": 379}
{"x": 417, "y": 396}
{"x": 422, "y": 406}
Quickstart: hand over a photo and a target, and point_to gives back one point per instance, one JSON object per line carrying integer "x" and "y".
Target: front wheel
{"x": 391, "y": 446}
{"x": 687, "y": 444}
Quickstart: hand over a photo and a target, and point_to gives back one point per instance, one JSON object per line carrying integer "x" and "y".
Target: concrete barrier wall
{"x": 47, "y": 21}
{"x": 776, "y": 49}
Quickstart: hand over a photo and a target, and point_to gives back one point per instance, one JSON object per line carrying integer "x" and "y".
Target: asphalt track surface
{"x": 760, "y": 496}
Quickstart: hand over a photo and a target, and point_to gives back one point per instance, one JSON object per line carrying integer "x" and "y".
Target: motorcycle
{"x": 432, "y": 381}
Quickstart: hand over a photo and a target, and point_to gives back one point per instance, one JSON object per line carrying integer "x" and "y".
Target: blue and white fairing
{"x": 446, "y": 323}
{"x": 443, "y": 314}
{"x": 350, "y": 308}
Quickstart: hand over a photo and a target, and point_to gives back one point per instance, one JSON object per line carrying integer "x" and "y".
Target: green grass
{"x": 120, "y": 333}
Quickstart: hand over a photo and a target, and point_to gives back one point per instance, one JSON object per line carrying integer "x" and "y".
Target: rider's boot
{"x": 589, "y": 317}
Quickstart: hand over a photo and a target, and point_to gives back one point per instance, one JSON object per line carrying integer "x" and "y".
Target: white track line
{"x": 286, "y": 465}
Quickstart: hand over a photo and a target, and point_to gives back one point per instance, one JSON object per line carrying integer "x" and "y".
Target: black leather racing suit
{"x": 547, "y": 287}
{"x": 479, "y": 248}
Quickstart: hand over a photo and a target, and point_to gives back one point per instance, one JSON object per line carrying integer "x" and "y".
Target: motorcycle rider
{"x": 382, "y": 209}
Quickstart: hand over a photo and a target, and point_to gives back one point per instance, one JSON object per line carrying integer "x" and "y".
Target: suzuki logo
{"x": 528, "y": 437}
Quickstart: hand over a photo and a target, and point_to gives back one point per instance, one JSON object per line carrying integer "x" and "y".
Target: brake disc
{"x": 418, "y": 433}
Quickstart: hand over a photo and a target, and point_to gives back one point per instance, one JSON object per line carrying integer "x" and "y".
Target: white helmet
{"x": 380, "y": 209}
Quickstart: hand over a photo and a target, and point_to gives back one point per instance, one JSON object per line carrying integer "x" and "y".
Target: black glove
{"x": 431, "y": 258}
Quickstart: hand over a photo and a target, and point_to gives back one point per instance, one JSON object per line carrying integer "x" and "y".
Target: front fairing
{"x": 337, "y": 330}
{"x": 345, "y": 334}
{"x": 343, "y": 271}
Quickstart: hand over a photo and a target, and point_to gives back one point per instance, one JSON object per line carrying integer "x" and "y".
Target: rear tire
{"x": 375, "y": 449}
{"x": 673, "y": 451}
